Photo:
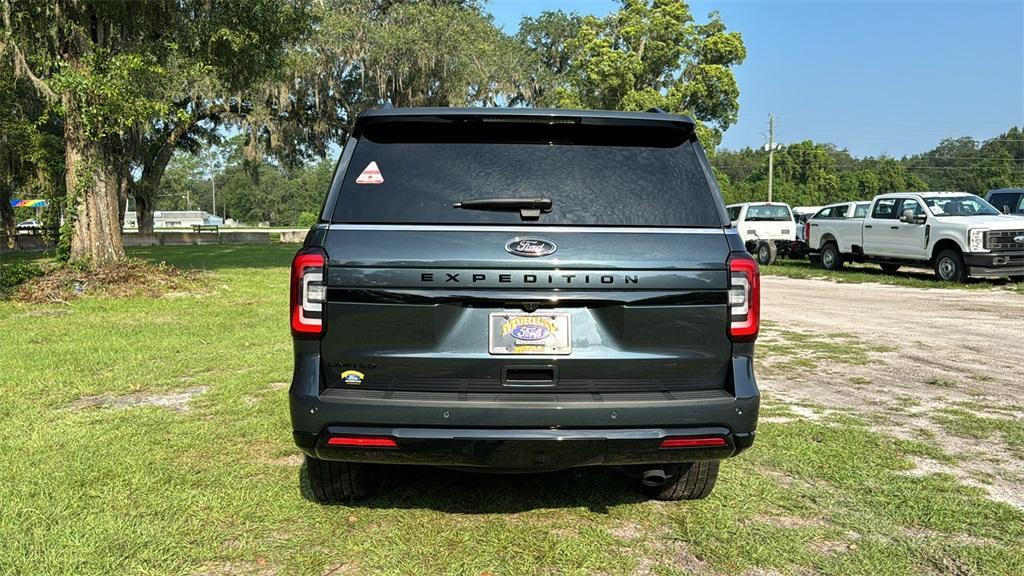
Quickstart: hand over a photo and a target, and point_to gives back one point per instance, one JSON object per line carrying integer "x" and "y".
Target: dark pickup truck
{"x": 516, "y": 290}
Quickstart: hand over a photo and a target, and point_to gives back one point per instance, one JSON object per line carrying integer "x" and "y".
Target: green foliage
{"x": 647, "y": 54}
{"x": 307, "y": 220}
{"x": 112, "y": 91}
{"x": 967, "y": 165}
{"x": 810, "y": 174}
{"x": 13, "y": 274}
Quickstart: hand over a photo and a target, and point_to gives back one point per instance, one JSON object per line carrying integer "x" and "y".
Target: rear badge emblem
{"x": 530, "y": 247}
{"x": 353, "y": 377}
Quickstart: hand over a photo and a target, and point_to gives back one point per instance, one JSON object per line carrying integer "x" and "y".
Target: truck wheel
{"x": 831, "y": 258}
{"x": 691, "y": 481}
{"x": 336, "y": 482}
{"x": 1016, "y": 279}
{"x": 949, "y": 267}
{"x": 767, "y": 252}
{"x": 889, "y": 268}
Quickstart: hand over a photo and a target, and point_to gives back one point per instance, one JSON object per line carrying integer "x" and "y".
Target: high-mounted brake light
{"x": 309, "y": 292}
{"x": 744, "y": 298}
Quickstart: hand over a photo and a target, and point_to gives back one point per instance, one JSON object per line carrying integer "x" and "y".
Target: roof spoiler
{"x": 656, "y": 117}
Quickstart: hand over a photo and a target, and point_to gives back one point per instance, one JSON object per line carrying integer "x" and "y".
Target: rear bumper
{"x": 995, "y": 264}
{"x": 522, "y": 430}
{"x": 523, "y": 449}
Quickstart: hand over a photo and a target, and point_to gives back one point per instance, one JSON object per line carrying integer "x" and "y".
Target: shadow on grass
{"x": 462, "y": 492}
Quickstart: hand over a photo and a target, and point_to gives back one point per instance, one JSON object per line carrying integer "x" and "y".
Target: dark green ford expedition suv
{"x": 523, "y": 290}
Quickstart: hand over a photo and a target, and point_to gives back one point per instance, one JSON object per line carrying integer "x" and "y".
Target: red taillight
{"x": 807, "y": 232}
{"x": 362, "y": 441}
{"x": 694, "y": 442}
{"x": 308, "y": 292}
{"x": 744, "y": 298}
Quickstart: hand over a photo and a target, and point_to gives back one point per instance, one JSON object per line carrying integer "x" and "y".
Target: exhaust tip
{"x": 654, "y": 477}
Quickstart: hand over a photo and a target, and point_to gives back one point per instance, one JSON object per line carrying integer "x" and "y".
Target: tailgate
{"x": 418, "y": 308}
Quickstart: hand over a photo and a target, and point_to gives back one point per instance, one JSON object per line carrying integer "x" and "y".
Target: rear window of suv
{"x": 595, "y": 175}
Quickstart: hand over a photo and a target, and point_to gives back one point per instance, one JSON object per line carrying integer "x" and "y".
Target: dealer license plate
{"x": 515, "y": 333}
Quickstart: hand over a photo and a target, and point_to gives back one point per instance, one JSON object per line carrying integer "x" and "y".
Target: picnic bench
{"x": 200, "y": 228}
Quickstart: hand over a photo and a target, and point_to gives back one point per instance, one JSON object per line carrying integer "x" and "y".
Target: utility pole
{"x": 771, "y": 154}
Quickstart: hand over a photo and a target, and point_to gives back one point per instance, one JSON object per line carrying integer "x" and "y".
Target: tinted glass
{"x": 1015, "y": 202}
{"x": 824, "y": 213}
{"x": 885, "y": 208}
{"x": 594, "y": 175}
{"x": 861, "y": 210}
{"x": 734, "y": 213}
{"x": 768, "y": 214}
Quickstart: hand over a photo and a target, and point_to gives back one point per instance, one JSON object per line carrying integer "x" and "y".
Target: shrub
{"x": 12, "y": 275}
{"x": 307, "y": 220}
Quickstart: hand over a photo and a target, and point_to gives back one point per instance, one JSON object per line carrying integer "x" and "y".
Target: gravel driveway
{"x": 937, "y": 356}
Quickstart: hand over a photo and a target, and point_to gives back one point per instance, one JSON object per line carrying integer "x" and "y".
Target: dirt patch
{"x": 177, "y": 401}
{"x": 289, "y": 460}
{"x": 256, "y": 568}
{"x": 790, "y": 521}
{"x": 924, "y": 351}
{"x": 122, "y": 279}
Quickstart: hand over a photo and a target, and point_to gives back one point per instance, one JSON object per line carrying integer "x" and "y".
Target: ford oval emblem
{"x": 530, "y": 332}
{"x": 1019, "y": 239}
{"x": 530, "y": 247}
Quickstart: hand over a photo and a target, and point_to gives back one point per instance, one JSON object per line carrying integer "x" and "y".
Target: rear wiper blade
{"x": 529, "y": 208}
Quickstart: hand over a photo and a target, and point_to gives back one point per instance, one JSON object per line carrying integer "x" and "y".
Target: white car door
{"x": 908, "y": 238}
{"x": 880, "y": 228}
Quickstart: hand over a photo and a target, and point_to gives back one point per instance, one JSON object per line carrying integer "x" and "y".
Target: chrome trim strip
{"x": 526, "y": 229}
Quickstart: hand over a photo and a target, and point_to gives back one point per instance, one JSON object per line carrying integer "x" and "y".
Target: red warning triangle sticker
{"x": 370, "y": 175}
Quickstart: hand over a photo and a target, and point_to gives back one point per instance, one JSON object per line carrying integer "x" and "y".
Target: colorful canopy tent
{"x": 16, "y": 203}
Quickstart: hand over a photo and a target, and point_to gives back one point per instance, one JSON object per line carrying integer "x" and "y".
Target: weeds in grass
{"x": 941, "y": 382}
{"x": 793, "y": 351}
{"x": 967, "y": 424}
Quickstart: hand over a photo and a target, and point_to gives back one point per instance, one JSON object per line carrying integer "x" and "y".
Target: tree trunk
{"x": 6, "y": 217}
{"x": 92, "y": 190}
{"x": 155, "y": 164}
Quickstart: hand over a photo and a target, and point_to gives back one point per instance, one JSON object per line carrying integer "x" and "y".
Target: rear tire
{"x": 889, "y": 268}
{"x": 338, "y": 482}
{"x": 691, "y": 481}
{"x": 949, "y": 267}
{"x": 1016, "y": 279}
{"x": 767, "y": 252}
{"x": 831, "y": 258}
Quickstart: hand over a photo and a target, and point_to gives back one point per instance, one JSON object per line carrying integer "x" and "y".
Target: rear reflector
{"x": 694, "y": 442}
{"x": 362, "y": 441}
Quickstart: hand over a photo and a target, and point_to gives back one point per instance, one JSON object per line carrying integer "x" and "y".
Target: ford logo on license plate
{"x": 530, "y": 332}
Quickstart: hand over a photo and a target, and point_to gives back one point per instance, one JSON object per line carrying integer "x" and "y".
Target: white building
{"x": 175, "y": 219}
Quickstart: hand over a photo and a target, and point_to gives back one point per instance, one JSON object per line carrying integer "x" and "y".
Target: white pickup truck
{"x": 957, "y": 234}
{"x": 767, "y": 228}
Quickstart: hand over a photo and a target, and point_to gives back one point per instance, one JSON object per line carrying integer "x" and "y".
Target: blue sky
{"x": 874, "y": 77}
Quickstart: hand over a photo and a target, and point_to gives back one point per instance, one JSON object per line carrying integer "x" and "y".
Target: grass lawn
{"x": 96, "y": 478}
{"x": 858, "y": 273}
